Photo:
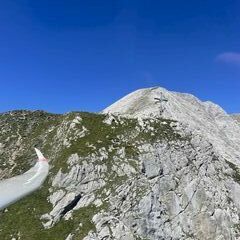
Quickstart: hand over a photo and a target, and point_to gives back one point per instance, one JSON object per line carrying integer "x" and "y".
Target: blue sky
{"x": 84, "y": 55}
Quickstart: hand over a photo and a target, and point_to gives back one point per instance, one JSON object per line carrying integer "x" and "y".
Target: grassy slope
{"x": 23, "y": 218}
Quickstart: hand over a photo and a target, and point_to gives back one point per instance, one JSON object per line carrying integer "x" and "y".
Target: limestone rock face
{"x": 138, "y": 170}
{"x": 204, "y": 118}
{"x": 236, "y": 117}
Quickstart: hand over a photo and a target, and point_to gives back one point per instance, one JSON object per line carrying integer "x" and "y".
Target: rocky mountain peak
{"x": 205, "y": 118}
{"x": 138, "y": 170}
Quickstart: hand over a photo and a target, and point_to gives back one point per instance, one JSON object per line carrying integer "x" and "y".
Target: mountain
{"x": 236, "y": 117}
{"x": 154, "y": 165}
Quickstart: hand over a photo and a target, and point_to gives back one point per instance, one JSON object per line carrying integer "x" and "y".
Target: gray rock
{"x": 133, "y": 173}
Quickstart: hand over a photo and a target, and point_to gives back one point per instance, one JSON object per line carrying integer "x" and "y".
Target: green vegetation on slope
{"x": 23, "y": 130}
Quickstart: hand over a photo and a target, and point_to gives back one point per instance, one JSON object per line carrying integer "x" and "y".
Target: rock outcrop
{"x": 142, "y": 169}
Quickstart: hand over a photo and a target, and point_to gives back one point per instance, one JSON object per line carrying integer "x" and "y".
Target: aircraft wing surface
{"x": 15, "y": 188}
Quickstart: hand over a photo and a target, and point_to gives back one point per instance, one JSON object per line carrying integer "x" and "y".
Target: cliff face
{"x": 139, "y": 170}
{"x": 236, "y": 117}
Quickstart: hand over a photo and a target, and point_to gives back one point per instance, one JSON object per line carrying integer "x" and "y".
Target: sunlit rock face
{"x": 205, "y": 118}
{"x": 236, "y": 117}
{"x": 154, "y": 165}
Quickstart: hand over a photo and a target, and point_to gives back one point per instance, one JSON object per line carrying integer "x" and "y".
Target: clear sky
{"x": 84, "y": 55}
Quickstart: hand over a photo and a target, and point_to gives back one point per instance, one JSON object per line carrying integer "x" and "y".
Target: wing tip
{"x": 40, "y": 155}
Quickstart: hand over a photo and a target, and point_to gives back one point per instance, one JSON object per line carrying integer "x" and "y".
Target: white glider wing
{"x": 15, "y": 188}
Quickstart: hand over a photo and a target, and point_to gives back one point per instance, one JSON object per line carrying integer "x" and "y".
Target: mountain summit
{"x": 205, "y": 118}
{"x": 154, "y": 165}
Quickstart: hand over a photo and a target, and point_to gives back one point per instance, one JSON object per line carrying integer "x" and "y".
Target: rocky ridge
{"x": 236, "y": 117}
{"x": 136, "y": 171}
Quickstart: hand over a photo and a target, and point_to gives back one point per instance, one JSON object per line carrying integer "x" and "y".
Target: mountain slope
{"x": 128, "y": 173}
{"x": 236, "y": 117}
{"x": 204, "y": 118}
